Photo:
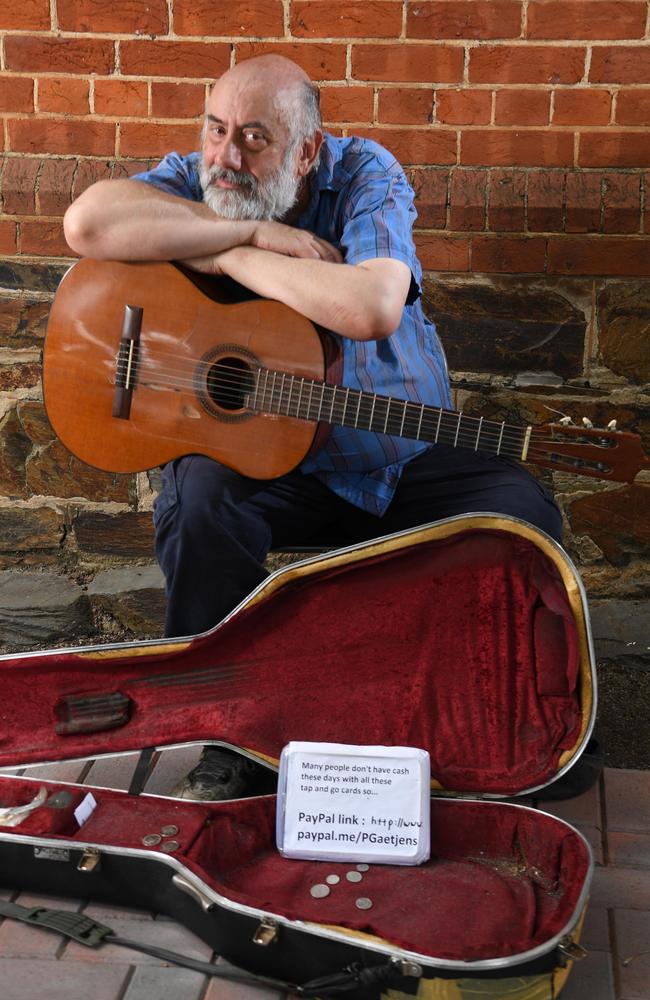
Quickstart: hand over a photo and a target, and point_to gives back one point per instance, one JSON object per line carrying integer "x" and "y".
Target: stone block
{"x": 39, "y": 609}
{"x": 623, "y": 311}
{"x": 127, "y": 534}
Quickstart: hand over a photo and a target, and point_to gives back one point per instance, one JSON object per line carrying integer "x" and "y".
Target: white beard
{"x": 270, "y": 198}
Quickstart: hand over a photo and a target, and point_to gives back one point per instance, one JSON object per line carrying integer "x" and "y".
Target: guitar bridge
{"x": 127, "y": 362}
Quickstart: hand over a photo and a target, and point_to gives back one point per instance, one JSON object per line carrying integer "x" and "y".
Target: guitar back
{"x": 193, "y": 361}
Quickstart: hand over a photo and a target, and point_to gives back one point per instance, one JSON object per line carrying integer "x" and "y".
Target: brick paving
{"x": 614, "y": 816}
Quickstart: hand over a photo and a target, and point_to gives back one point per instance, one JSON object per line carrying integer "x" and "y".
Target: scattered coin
{"x": 353, "y": 876}
{"x": 320, "y": 890}
{"x": 151, "y": 839}
{"x": 332, "y": 879}
{"x": 170, "y": 830}
{"x": 363, "y": 867}
{"x": 169, "y": 846}
{"x": 363, "y": 903}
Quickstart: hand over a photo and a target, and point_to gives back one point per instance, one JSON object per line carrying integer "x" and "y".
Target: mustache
{"x": 240, "y": 178}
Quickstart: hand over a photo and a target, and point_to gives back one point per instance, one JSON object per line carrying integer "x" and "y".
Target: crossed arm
{"x": 130, "y": 220}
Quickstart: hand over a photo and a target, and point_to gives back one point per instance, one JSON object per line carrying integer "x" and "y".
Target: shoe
{"x": 583, "y": 775}
{"x": 224, "y": 774}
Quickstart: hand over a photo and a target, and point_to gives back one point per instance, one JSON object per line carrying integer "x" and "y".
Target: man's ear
{"x": 308, "y": 153}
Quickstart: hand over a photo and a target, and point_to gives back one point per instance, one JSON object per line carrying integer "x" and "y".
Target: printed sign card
{"x": 338, "y": 802}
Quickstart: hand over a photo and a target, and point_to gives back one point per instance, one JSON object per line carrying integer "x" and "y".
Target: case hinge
{"x": 266, "y": 933}
{"x": 90, "y": 860}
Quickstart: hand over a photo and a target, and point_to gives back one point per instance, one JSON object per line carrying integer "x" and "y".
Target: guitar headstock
{"x": 588, "y": 451}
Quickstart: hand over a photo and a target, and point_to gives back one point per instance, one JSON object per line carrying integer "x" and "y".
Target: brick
{"x": 153, "y": 139}
{"x": 501, "y": 147}
{"x": 177, "y": 100}
{"x": 604, "y": 255}
{"x": 583, "y": 810}
{"x": 614, "y": 149}
{"x": 546, "y": 201}
{"x": 174, "y": 59}
{"x": 629, "y": 850}
{"x": 583, "y": 202}
{"x": 646, "y": 214}
{"x": 221, "y": 989}
{"x": 33, "y": 977}
{"x": 468, "y": 200}
{"x": 347, "y": 104}
{"x": 408, "y": 63}
{"x": 25, "y": 15}
{"x": 507, "y": 200}
{"x": 345, "y": 19}
{"x": 7, "y": 237}
{"x": 593, "y": 978}
{"x": 55, "y": 186}
{"x": 127, "y": 168}
{"x": 88, "y": 172}
{"x": 622, "y": 203}
{"x": 508, "y": 254}
{"x": 522, "y": 107}
{"x": 59, "y": 55}
{"x": 16, "y": 94}
{"x": 430, "y": 188}
{"x": 526, "y": 64}
{"x": 169, "y": 982}
{"x": 430, "y": 146}
{"x": 319, "y": 61}
{"x": 121, "y": 17}
{"x": 582, "y": 107}
{"x": 206, "y": 18}
{"x": 161, "y": 933}
{"x": 632, "y": 929}
{"x": 403, "y": 106}
{"x": 123, "y": 98}
{"x": 458, "y": 19}
{"x": 627, "y": 794}
{"x": 464, "y": 107}
{"x": 60, "y": 135}
{"x": 63, "y": 95}
{"x": 620, "y": 64}
{"x": 19, "y": 185}
{"x": 442, "y": 253}
{"x": 633, "y": 107}
{"x": 582, "y": 19}
{"x": 43, "y": 239}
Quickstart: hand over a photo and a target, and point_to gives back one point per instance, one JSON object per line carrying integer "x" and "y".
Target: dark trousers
{"x": 214, "y": 528}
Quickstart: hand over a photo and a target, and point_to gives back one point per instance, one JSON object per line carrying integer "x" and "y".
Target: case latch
{"x": 266, "y": 933}
{"x": 571, "y": 950}
{"x": 90, "y": 860}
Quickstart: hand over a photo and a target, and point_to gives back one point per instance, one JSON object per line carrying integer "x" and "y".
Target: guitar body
{"x": 185, "y": 337}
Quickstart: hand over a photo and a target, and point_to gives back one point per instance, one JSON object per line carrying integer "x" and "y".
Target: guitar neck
{"x": 310, "y": 399}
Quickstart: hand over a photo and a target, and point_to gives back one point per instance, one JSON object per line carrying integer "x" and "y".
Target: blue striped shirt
{"x": 362, "y": 203}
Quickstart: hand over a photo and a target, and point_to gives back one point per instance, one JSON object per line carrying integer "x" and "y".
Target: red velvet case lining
{"x": 466, "y": 646}
{"x": 501, "y": 879}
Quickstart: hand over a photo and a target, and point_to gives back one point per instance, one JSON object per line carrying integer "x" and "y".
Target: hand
{"x": 205, "y": 265}
{"x": 278, "y": 238}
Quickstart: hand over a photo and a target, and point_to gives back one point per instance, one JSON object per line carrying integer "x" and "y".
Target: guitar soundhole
{"x": 226, "y": 381}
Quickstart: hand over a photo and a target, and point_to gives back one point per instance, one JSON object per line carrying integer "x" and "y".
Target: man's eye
{"x": 254, "y": 138}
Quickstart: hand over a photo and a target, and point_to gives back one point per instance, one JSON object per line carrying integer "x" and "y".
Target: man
{"x": 323, "y": 225}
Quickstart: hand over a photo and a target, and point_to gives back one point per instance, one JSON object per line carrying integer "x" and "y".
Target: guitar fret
{"x": 372, "y": 411}
{"x": 345, "y": 406}
{"x": 401, "y": 426}
{"x": 331, "y": 416}
{"x": 438, "y": 426}
{"x": 390, "y": 400}
{"x": 302, "y": 386}
{"x": 478, "y": 434}
{"x": 503, "y": 424}
{"x": 356, "y": 419}
{"x": 291, "y": 385}
{"x": 458, "y": 428}
{"x": 265, "y": 390}
{"x": 420, "y": 421}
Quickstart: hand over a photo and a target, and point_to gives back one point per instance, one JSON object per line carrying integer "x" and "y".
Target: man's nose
{"x": 228, "y": 155}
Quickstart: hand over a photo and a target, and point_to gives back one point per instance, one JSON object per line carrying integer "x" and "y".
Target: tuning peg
{"x": 611, "y": 426}
{"x": 586, "y": 422}
{"x": 565, "y": 421}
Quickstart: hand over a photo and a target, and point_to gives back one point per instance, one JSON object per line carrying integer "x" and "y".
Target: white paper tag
{"x": 338, "y": 802}
{"x": 85, "y": 809}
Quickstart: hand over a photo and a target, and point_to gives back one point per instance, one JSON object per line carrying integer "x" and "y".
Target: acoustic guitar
{"x": 141, "y": 365}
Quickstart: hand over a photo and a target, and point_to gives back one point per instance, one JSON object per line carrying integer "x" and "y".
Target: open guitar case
{"x": 468, "y": 638}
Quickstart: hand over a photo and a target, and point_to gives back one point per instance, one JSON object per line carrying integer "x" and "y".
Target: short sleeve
{"x": 175, "y": 174}
{"x": 378, "y": 221}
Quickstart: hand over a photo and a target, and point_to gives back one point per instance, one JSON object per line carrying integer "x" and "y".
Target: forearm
{"x": 130, "y": 220}
{"x": 349, "y": 299}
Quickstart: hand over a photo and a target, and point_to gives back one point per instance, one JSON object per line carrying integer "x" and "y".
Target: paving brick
{"x": 28, "y": 979}
{"x": 222, "y": 989}
{"x": 591, "y": 979}
{"x": 113, "y": 772}
{"x": 150, "y": 982}
{"x": 105, "y": 913}
{"x": 162, "y": 933}
{"x": 59, "y": 771}
{"x": 171, "y": 766}
{"x": 633, "y": 940}
{"x": 631, "y": 849}
{"x": 593, "y": 836}
{"x": 581, "y": 810}
{"x": 627, "y": 798}
{"x": 22, "y": 941}
{"x": 595, "y": 932}
{"x": 628, "y": 888}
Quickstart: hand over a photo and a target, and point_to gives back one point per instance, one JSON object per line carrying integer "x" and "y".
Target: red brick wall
{"x": 523, "y": 122}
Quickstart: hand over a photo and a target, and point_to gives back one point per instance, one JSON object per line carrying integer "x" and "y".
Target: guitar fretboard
{"x": 310, "y": 399}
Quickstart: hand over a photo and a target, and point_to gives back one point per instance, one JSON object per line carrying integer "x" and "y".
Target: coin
{"x": 363, "y": 903}
{"x": 169, "y": 846}
{"x": 151, "y": 839}
{"x": 353, "y": 876}
{"x": 362, "y": 867}
{"x": 332, "y": 879}
{"x": 170, "y": 830}
{"x": 320, "y": 890}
